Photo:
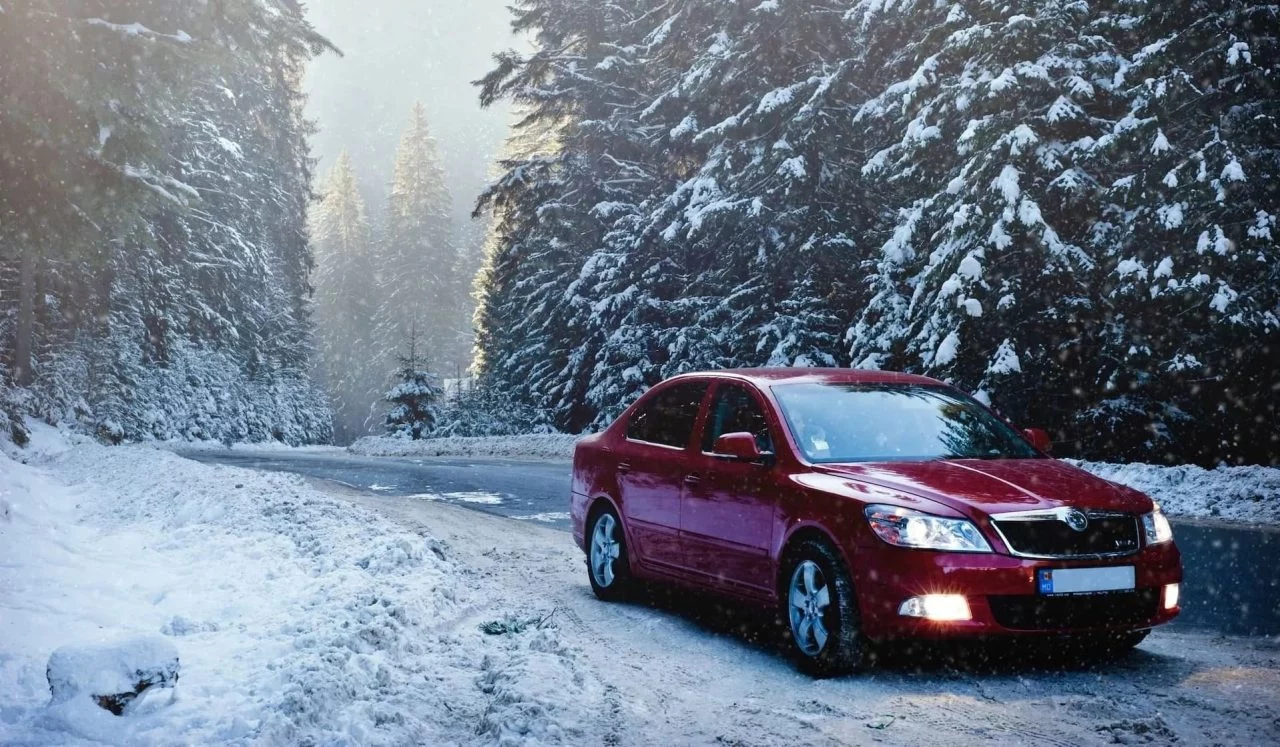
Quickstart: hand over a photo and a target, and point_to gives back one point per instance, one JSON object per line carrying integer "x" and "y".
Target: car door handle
{"x": 624, "y": 466}
{"x": 692, "y": 479}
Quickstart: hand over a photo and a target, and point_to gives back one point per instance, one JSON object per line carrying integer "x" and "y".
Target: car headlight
{"x": 906, "y": 528}
{"x": 1156, "y": 527}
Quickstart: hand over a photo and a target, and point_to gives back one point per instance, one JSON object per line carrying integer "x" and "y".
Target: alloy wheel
{"x": 605, "y": 549}
{"x": 808, "y": 598}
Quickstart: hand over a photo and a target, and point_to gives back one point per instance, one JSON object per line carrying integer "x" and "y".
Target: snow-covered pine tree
{"x": 572, "y": 156}
{"x": 1192, "y": 254}
{"x": 345, "y": 304}
{"x": 761, "y": 224}
{"x": 414, "y": 400}
{"x": 417, "y": 256}
{"x": 985, "y": 276}
{"x": 961, "y": 185}
{"x": 153, "y": 174}
{"x": 78, "y": 158}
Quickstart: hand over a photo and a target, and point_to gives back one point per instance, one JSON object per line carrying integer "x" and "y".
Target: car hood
{"x": 997, "y": 486}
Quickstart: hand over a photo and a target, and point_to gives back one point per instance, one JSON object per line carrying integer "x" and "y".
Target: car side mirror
{"x": 740, "y": 447}
{"x": 1039, "y": 439}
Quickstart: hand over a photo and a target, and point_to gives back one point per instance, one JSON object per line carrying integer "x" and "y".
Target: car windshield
{"x": 881, "y": 423}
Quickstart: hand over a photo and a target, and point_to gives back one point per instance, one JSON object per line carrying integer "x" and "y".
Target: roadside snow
{"x": 1237, "y": 493}
{"x": 297, "y": 617}
{"x": 249, "y": 448}
{"x": 550, "y": 446}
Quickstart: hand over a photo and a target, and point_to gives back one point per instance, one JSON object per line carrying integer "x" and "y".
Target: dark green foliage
{"x": 967, "y": 190}
{"x": 414, "y": 400}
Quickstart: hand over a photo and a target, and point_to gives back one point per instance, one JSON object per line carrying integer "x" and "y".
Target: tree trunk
{"x": 23, "y": 374}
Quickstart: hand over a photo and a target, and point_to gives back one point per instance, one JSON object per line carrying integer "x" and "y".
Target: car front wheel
{"x": 608, "y": 566}
{"x": 822, "y": 612}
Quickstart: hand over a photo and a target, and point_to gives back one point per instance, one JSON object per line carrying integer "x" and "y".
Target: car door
{"x": 727, "y": 513}
{"x": 652, "y": 460}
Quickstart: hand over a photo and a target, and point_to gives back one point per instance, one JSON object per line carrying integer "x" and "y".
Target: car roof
{"x": 767, "y": 377}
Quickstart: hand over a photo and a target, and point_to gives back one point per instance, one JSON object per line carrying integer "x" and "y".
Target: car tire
{"x": 820, "y": 611}
{"x": 608, "y": 563}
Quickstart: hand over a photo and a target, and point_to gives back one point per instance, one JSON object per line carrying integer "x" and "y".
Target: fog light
{"x": 1171, "y": 593}
{"x": 938, "y": 607}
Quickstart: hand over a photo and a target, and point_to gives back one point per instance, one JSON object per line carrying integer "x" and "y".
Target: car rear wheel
{"x": 821, "y": 612}
{"x": 608, "y": 566}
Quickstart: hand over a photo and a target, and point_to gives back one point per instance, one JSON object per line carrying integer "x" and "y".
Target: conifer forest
{"x": 1066, "y": 208}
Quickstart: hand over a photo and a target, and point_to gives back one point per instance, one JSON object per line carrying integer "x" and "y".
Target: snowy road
{"x": 304, "y": 611}
{"x": 1232, "y": 572}
{"x": 665, "y": 672}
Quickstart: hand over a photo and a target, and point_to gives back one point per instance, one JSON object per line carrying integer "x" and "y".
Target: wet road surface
{"x": 1232, "y": 571}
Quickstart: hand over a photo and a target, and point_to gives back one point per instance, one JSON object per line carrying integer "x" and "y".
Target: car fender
{"x": 617, "y": 509}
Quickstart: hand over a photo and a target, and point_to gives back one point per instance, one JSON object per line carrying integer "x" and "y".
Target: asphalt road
{"x": 1232, "y": 572}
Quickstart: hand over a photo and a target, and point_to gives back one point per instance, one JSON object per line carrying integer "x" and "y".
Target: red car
{"x": 867, "y": 506}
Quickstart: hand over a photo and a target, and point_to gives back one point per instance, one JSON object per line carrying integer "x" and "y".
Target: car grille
{"x": 1107, "y": 535}
{"x": 1114, "y": 609}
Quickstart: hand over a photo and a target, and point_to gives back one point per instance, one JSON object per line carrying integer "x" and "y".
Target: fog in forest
{"x": 398, "y": 282}
{"x": 395, "y": 53}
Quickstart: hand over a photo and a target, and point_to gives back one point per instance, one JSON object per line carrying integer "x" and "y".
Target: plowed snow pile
{"x": 298, "y": 618}
{"x": 1236, "y": 493}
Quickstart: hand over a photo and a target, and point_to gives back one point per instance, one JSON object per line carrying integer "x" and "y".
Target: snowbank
{"x": 264, "y": 447}
{"x": 1236, "y": 493}
{"x": 298, "y": 617}
{"x": 550, "y": 446}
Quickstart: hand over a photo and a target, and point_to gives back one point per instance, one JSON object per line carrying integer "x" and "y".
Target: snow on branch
{"x": 137, "y": 29}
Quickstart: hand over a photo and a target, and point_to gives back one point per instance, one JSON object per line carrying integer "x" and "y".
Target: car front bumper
{"x": 1001, "y": 592}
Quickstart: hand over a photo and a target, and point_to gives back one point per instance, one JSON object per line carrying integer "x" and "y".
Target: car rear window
{"x": 668, "y": 418}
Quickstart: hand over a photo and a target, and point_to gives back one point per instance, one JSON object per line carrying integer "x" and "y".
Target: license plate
{"x": 1085, "y": 580}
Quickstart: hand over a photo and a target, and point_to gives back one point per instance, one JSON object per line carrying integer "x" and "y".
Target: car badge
{"x": 1076, "y": 519}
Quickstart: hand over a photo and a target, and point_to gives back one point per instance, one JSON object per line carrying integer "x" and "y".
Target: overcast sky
{"x": 398, "y": 52}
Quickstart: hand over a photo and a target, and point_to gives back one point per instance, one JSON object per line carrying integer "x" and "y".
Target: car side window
{"x": 734, "y": 410}
{"x": 669, "y": 417}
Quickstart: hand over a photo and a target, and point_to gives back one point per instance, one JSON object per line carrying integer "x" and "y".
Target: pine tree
{"x": 1064, "y": 208}
{"x": 994, "y": 138}
{"x": 414, "y": 410}
{"x": 345, "y": 304}
{"x": 153, "y": 178}
{"x": 418, "y": 260}
{"x": 1191, "y": 261}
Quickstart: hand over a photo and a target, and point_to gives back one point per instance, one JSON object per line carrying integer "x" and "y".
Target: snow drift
{"x": 297, "y": 617}
{"x": 1237, "y": 493}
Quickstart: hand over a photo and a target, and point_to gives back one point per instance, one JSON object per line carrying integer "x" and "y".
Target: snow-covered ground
{"x": 1237, "y": 493}
{"x": 298, "y": 617}
{"x": 1249, "y": 494}
{"x": 536, "y": 446}
{"x": 305, "y": 616}
{"x": 248, "y": 448}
